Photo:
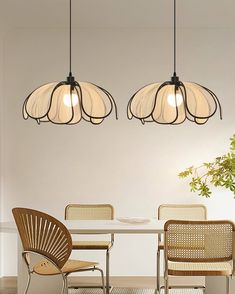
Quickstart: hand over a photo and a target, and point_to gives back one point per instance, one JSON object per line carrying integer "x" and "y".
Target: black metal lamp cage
{"x": 174, "y": 101}
{"x": 69, "y": 101}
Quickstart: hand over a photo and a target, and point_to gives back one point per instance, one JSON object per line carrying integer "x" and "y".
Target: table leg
{"x": 158, "y": 284}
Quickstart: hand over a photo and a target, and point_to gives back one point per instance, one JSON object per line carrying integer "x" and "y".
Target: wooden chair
{"x": 43, "y": 235}
{"x": 92, "y": 212}
{"x": 177, "y": 212}
{"x": 198, "y": 248}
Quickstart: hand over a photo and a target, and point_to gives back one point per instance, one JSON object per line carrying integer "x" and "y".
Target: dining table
{"x": 53, "y": 284}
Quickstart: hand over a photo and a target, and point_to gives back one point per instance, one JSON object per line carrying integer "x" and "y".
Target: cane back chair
{"x": 46, "y": 237}
{"x": 92, "y": 212}
{"x": 198, "y": 248}
{"x": 177, "y": 212}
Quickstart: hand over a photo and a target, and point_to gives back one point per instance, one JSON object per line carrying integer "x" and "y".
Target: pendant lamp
{"x": 174, "y": 101}
{"x": 68, "y": 102}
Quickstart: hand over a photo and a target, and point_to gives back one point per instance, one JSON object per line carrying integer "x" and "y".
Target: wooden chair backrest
{"x": 43, "y": 234}
{"x": 199, "y": 241}
{"x": 182, "y": 212}
{"x": 89, "y": 212}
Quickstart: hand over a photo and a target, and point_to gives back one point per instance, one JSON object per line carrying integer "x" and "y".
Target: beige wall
{"x": 134, "y": 167}
{"x": 1, "y": 139}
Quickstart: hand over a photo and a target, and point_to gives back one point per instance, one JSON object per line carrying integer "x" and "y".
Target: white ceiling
{"x": 116, "y": 13}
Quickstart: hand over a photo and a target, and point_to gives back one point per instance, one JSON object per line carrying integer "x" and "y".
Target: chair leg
{"x": 228, "y": 289}
{"x": 28, "y": 282}
{"x": 65, "y": 285}
{"x": 166, "y": 285}
{"x": 102, "y": 278}
{"x": 158, "y": 271}
{"x": 107, "y": 271}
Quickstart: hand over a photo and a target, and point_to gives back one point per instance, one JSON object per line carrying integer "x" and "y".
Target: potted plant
{"x": 219, "y": 173}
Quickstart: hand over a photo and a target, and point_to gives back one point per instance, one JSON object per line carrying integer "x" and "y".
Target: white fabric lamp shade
{"x": 68, "y": 102}
{"x": 168, "y": 103}
{"x": 63, "y": 103}
{"x": 173, "y": 102}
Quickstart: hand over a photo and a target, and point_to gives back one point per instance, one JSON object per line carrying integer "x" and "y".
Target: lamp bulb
{"x": 70, "y": 102}
{"x": 175, "y": 101}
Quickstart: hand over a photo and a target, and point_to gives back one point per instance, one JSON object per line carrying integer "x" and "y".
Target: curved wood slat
{"x": 42, "y": 233}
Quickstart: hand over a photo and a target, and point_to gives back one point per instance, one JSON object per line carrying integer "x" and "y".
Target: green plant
{"x": 219, "y": 173}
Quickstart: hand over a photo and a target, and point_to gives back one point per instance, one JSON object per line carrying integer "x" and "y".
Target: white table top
{"x": 114, "y": 226}
{"x": 100, "y": 227}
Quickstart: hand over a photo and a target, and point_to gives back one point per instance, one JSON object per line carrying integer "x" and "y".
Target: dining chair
{"x": 177, "y": 212}
{"x": 46, "y": 237}
{"x": 92, "y": 212}
{"x": 198, "y": 248}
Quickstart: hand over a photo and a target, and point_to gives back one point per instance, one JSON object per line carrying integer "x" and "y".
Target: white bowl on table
{"x": 134, "y": 220}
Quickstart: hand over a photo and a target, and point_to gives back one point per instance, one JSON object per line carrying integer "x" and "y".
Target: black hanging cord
{"x": 174, "y": 37}
{"x": 70, "y": 37}
{"x": 70, "y": 78}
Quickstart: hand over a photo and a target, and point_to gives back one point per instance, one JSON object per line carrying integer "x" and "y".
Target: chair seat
{"x": 47, "y": 268}
{"x": 199, "y": 269}
{"x": 92, "y": 245}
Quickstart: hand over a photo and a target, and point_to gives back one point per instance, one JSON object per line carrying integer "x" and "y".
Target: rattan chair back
{"x": 182, "y": 212}
{"x": 43, "y": 234}
{"x": 198, "y": 241}
{"x": 89, "y": 212}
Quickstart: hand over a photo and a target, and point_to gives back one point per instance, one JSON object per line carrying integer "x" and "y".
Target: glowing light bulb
{"x": 67, "y": 100}
{"x": 175, "y": 101}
